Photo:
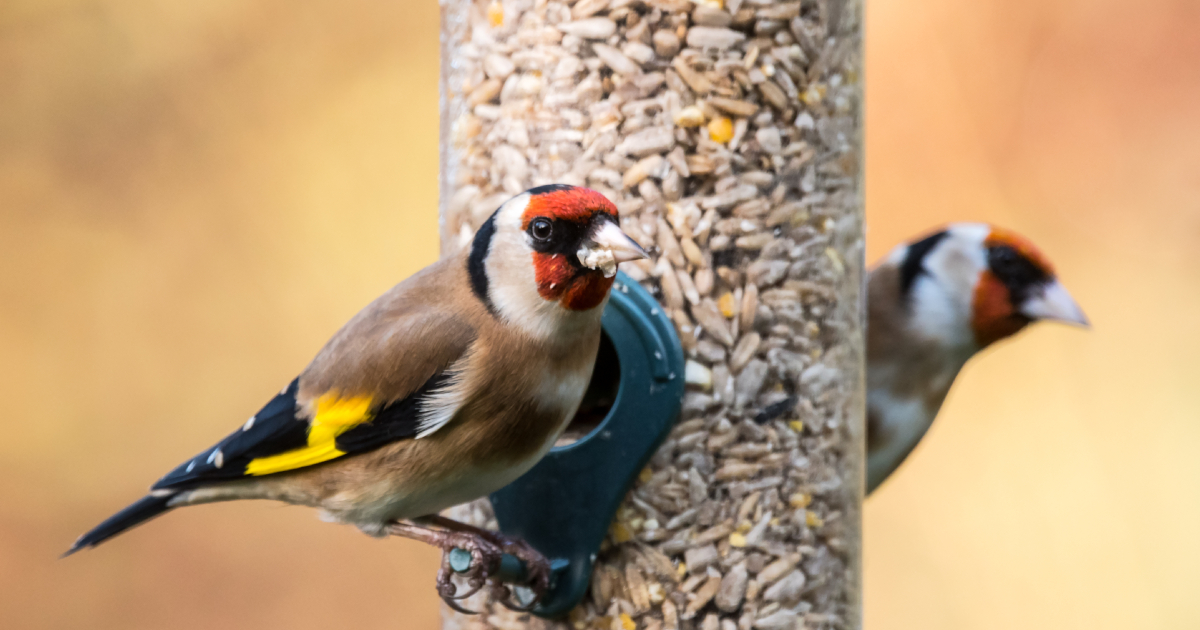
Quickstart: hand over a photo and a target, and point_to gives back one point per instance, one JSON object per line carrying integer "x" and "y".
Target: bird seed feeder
{"x": 564, "y": 505}
{"x": 716, "y": 477}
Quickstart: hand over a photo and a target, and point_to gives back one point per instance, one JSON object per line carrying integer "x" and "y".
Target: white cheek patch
{"x": 937, "y": 314}
{"x": 509, "y": 215}
{"x": 513, "y": 289}
{"x": 943, "y": 296}
{"x": 512, "y": 282}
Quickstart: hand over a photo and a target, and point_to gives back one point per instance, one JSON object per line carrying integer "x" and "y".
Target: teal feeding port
{"x": 564, "y": 505}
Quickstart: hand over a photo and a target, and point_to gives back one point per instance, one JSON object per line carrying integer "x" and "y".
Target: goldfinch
{"x": 448, "y": 387}
{"x": 932, "y": 305}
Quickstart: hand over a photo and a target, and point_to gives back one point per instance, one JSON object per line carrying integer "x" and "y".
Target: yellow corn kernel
{"x": 720, "y": 129}
{"x": 627, "y": 622}
{"x": 800, "y": 500}
{"x": 495, "y": 13}
{"x": 737, "y": 540}
{"x": 681, "y": 570}
{"x": 797, "y": 426}
{"x": 811, "y": 518}
{"x": 728, "y": 308}
{"x": 621, "y": 533}
{"x": 645, "y": 475}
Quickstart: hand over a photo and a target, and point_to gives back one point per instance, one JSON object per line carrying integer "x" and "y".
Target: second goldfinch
{"x": 934, "y": 303}
{"x": 446, "y": 388}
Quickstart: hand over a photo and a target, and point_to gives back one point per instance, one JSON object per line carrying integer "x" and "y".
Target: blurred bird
{"x": 932, "y": 304}
{"x": 448, "y": 387}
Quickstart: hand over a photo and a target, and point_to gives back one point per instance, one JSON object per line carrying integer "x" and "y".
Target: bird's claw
{"x": 537, "y": 572}
{"x": 485, "y": 562}
{"x": 486, "y": 550}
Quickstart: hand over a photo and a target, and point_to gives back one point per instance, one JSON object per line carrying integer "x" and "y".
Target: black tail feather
{"x": 141, "y": 511}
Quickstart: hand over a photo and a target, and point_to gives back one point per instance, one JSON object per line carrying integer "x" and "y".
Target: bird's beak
{"x": 607, "y": 246}
{"x": 608, "y": 235}
{"x": 1054, "y": 303}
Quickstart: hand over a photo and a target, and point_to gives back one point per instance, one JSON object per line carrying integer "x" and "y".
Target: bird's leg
{"x": 537, "y": 567}
{"x": 485, "y": 558}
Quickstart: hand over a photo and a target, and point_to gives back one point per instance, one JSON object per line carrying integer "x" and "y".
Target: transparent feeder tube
{"x": 728, "y": 133}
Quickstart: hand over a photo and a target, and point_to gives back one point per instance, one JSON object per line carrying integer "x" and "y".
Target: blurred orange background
{"x": 194, "y": 196}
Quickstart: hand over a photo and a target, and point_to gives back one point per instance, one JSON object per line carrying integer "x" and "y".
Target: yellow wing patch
{"x": 335, "y": 416}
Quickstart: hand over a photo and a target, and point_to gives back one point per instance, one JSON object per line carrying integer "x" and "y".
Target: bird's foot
{"x": 483, "y": 564}
{"x": 537, "y": 567}
{"x": 469, "y": 555}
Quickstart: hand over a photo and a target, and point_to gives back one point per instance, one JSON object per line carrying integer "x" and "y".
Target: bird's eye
{"x": 1002, "y": 258}
{"x": 541, "y": 229}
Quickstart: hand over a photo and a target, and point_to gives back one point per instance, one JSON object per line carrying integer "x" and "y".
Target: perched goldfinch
{"x": 931, "y": 306}
{"x": 448, "y": 387}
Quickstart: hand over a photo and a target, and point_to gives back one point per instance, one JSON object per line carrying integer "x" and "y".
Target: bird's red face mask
{"x": 1017, "y": 287}
{"x": 577, "y": 244}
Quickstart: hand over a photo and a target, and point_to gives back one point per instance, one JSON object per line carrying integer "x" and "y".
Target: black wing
{"x": 273, "y": 430}
{"x": 277, "y": 429}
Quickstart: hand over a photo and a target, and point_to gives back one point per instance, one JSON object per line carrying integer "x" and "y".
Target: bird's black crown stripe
{"x": 549, "y": 188}
{"x": 914, "y": 260}
{"x": 476, "y": 269}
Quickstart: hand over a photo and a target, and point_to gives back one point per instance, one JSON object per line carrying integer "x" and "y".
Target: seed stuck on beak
{"x": 606, "y": 247}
